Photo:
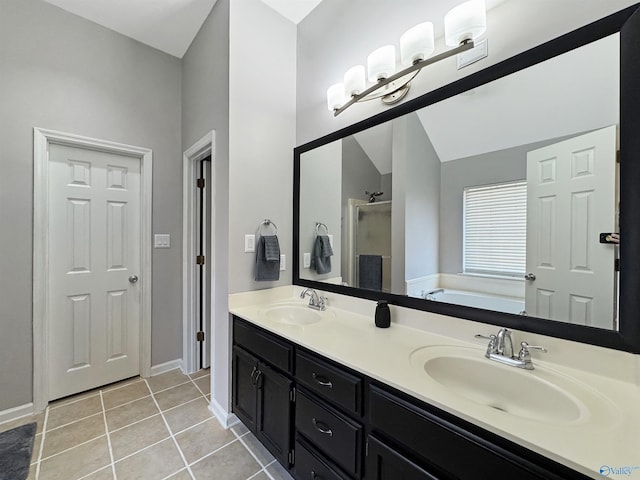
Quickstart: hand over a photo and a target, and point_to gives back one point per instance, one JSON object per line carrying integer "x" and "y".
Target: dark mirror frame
{"x": 627, "y": 338}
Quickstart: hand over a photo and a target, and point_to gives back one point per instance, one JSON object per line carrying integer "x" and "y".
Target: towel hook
{"x": 267, "y": 222}
{"x": 319, "y": 224}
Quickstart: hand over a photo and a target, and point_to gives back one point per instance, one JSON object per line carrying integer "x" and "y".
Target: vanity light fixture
{"x": 462, "y": 25}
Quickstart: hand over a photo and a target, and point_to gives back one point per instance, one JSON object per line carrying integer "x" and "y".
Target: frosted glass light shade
{"x": 335, "y": 96}
{"x": 467, "y": 21}
{"x": 354, "y": 81}
{"x": 381, "y": 63}
{"x": 417, "y": 43}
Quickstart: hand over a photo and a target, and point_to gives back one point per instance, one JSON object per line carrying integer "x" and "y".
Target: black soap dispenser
{"x": 383, "y": 315}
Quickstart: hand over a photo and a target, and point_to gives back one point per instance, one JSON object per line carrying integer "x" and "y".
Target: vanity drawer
{"x": 332, "y": 433}
{"x": 453, "y": 450}
{"x": 270, "y": 348}
{"x": 333, "y": 383}
{"x": 309, "y": 466}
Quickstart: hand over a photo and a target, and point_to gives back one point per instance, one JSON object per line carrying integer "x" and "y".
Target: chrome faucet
{"x": 504, "y": 340}
{"x": 317, "y": 302}
{"x": 500, "y": 349}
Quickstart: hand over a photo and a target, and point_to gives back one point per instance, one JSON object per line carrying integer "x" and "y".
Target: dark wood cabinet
{"x": 262, "y": 396}
{"x": 384, "y": 463}
{"x": 274, "y": 411}
{"x": 349, "y": 427}
{"x": 244, "y": 387}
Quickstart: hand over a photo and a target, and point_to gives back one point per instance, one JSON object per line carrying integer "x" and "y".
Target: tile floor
{"x": 155, "y": 428}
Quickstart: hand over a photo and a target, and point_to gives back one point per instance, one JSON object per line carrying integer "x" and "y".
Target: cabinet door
{"x": 274, "y": 412}
{"x": 244, "y": 387}
{"x": 384, "y": 463}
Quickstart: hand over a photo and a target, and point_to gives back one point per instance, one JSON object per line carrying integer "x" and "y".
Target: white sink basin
{"x": 298, "y": 314}
{"x": 541, "y": 395}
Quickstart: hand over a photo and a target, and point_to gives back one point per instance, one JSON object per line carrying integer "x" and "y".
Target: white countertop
{"x": 608, "y": 436}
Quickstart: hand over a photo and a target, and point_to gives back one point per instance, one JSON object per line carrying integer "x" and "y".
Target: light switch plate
{"x": 283, "y": 262}
{"x": 162, "y": 240}
{"x": 249, "y": 243}
{"x": 306, "y": 263}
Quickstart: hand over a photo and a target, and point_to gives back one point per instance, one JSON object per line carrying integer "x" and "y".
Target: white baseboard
{"x": 16, "y": 412}
{"x": 167, "y": 366}
{"x": 226, "y": 419}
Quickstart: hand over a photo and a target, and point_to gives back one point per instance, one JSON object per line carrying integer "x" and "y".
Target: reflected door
{"x": 570, "y": 200}
{"x": 94, "y": 261}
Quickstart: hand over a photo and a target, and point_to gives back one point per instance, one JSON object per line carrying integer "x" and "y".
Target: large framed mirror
{"x": 508, "y": 197}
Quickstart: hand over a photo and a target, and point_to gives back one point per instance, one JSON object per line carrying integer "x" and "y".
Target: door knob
{"x": 133, "y": 279}
{"x": 530, "y": 276}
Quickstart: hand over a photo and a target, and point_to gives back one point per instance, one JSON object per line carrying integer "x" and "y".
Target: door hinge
{"x": 617, "y": 156}
{"x": 200, "y": 336}
{"x": 292, "y": 394}
{"x": 200, "y": 260}
{"x": 292, "y": 457}
{"x": 616, "y": 264}
{"x": 201, "y": 183}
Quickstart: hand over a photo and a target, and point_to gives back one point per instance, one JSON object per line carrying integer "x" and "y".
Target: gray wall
{"x": 422, "y": 203}
{"x": 359, "y": 174}
{"x": 320, "y": 183}
{"x": 513, "y": 27}
{"x": 65, "y": 73}
{"x": 205, "y": 107}
{"x": 262, "y": 129}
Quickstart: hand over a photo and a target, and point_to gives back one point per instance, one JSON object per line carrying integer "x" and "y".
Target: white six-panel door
{"x": 94, "y": 261}
{"x": 570, "y": 200}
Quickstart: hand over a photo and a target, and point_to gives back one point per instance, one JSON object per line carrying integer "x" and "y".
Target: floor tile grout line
{"x": 169, "y": 388}
{"x": 44, "y": 429}
{"x": 106, "y": 429}
{"x": 71, "y": 448}
{"x": 251, "y": 452}
{"x": 143, "y": 449}
{"x": 113, "y": 388}
{"x": 84, "y": 396}
{"x": 194, "y": 425}
{"x": 171, "y": 434}
{"x": 126, "y": 403}
{"x": 114, "y": 430}
{"x": 212, "y": 452}
{"x": 182, "y": 404}
{"x": 95, "y": 471}
{"x": 73, "y": 421}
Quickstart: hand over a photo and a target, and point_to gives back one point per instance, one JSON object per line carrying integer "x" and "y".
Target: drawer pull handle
{"x": 322, "y": 427}
{"x": 323, "y": 381}
{"x": 315, "y": 476}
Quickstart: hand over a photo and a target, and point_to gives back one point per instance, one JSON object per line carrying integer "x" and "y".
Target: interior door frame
{"x": 42, "y": 139}
{"x": 201, "y": 149}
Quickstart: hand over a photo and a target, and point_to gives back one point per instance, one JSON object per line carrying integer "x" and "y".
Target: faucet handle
{"x": 525, "y": 354}
{"x": 492, "y": 347}
{"x": 486, "y": 337}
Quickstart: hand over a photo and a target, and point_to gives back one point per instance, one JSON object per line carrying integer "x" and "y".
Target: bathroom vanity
{"x": 333, "y": 397}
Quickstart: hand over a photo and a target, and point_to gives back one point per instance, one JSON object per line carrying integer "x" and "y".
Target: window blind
{"x": 495, "y": 229}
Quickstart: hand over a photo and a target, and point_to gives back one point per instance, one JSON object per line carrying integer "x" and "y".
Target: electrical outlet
{"x": 306, "y": 263}
{"x": 283, "y": 262}
{"x": 249, "y": 243}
